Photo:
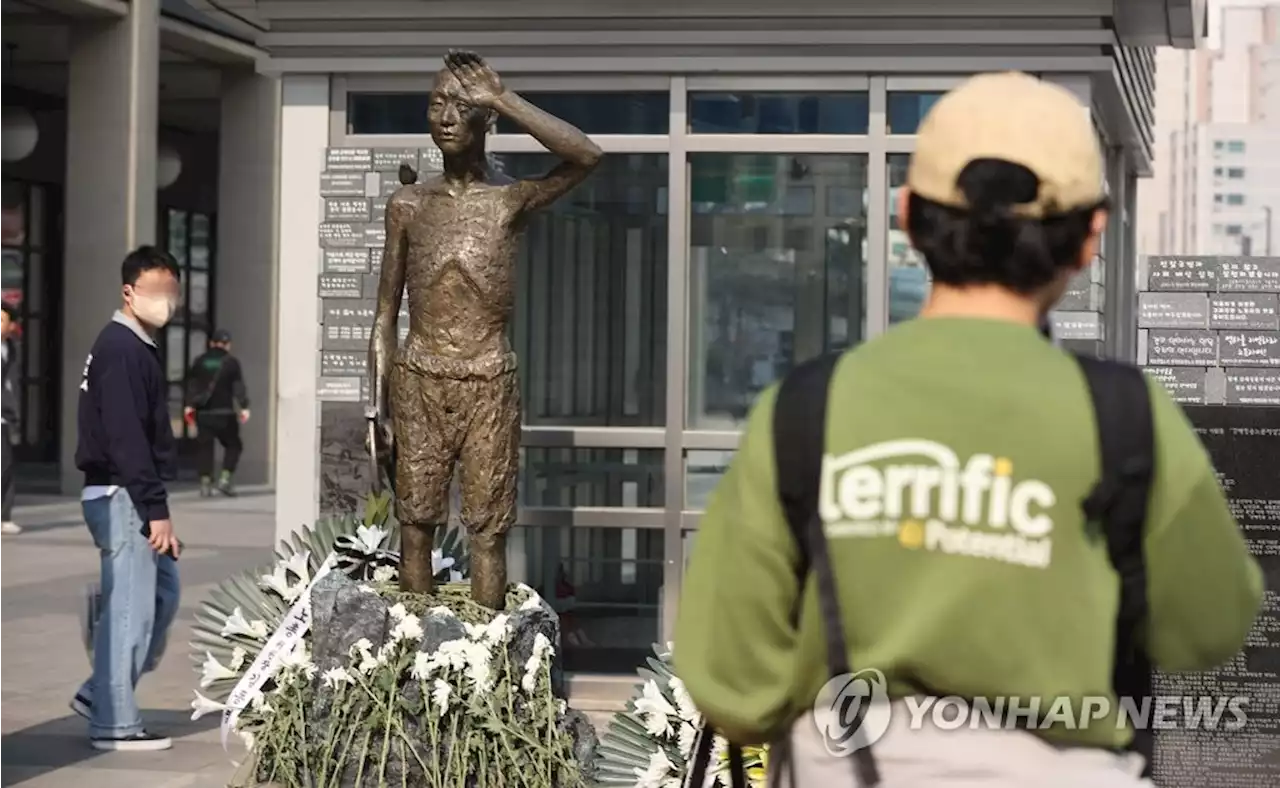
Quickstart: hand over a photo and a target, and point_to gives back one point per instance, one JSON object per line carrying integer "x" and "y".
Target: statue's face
{"x": 456, "y": 124}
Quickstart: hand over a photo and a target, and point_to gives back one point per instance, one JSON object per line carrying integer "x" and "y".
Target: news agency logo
{"x": 852, "y": 711}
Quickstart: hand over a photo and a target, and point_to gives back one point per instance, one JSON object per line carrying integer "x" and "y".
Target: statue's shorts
{"x": 464, "y": 414}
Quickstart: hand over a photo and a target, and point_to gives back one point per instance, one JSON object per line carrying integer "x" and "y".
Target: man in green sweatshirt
{"x": 959, "y": 447}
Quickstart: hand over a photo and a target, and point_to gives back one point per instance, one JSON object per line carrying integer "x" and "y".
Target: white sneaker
{"x": 9, "y": 527}
{"x": 138, "y": 742}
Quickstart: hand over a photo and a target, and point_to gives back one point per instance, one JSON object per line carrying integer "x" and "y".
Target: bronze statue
{"x": 450, "y": 396}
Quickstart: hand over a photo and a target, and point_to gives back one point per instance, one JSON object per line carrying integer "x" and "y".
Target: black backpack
{"x": 1118, "y": 503}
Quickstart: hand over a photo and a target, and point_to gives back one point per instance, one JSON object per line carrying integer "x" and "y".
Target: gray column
{"x": 303, "y": 137}
{"x": 1119, "y": 267}
{"x": 111, "y": 184}
{"x": 1127, "y": 310}
{"x": 247, "y": 274}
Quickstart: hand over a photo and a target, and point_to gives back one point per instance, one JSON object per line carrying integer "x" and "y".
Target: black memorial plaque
{"x": 430, "y": 160}
{"x": 338, "y": 389}
{"x": 378, "y": 210}
{"x": 347, "y": 209}
{"x": 1184, "y": 384}
{"x": 342, "y": 184}
{"x": 1080, "y": 293}
{"x": 1249, "y": 348}
{"x": 347, "y": 337}
{"x": 388, "y": 160}
{"x": 342, "y": 235}
{"x": 341, "y": 285}
{"x": 371, "y": 285}
{"x": 348, "y": 160}
{"x": 1257, "y": 311}
{"x": 345, "y": 482}
{"x": 375, "y": 260}
{"x": 375, "y": 234}
{"x": 347, "y": 312}
{"x": 344, "y": 363}
{"x": 1253, "y": 386}
{"x": 1244, "y": 445}
{"x": 1249, "y": 275}
{"x": 1197, "y": 274}
{"x": 1181, "y": 348}
{"x": 346, "y": 261}
{"x": 390, "y": 184}
{"x": 1173, "y": 310}
{"x": 1076, "y": 325}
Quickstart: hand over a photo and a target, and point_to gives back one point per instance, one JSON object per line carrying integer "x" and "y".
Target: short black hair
{"x": 147, "y": 258}
{"x": 988, "y": 243}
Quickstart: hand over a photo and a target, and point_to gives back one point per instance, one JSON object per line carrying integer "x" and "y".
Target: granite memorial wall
{"x": 1077, "y": 322}
{"x": 354, "y": 186}
{"x": 1209, "y": 330}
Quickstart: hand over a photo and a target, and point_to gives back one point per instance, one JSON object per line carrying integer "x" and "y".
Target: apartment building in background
{"x": 1217, "y": 150}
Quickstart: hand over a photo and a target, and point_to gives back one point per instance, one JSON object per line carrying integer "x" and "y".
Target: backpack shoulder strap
{"x": 1118, "y": 503}
{"x": 799, "y": 440}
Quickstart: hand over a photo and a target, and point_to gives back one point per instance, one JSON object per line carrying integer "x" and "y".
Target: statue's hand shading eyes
{"x": 481, "y": 82}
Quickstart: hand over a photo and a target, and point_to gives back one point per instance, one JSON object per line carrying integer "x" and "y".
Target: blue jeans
{"x": 139, "y": 602}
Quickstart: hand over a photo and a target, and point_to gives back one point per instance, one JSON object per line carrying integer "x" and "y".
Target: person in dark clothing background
{"x": 8, "y": 321}
{"x": 216, "y": 403}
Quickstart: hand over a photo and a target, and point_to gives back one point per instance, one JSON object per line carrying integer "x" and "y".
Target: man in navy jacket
{"x": 127, "y": 452}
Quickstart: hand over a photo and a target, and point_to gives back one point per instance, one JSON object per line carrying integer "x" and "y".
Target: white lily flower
{"x": 439, "y": 563}
{"x": 655, "y": 711}
{"x": 362, "y": 646}
{"x": 687, "y": 735}
{"x": 370, "y": 538}
{"x": 657, "y": 773}
{"x": 440, "y": 610}
{"x": 398, "y": 611}
{"x": 202, "y": 706}
{"x": 421, "y": 670}
{"x": 384, "y": 574}
{"x": 409, "y": 628}
{"x": 474, "y": 631}
{"x": 237, "y": 625}
{"x": 300, "y": 565}
{"x": 238, "y": 656}
{"x": 213, "y": 670}
{"x": 337, "y": 676}
{"x": 440, "y": 691}
{"x": 478, "y": 667}
{"x": 278, "y": 581}
{"x": 684, "y": 703}
{"x": 497, "y": 630}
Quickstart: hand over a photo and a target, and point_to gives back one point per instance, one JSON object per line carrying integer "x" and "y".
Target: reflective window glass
{"x": 908, "y": 275}
{"x": 778, "y": 113}
{"x": 605, "y": 583}
{"x": 562, "y": 477}
{"x": 590, "y": 322}
{"x": 703, "y": 470}
{"x": 593, "y": 113}
{"x": 904, "y": 111}
{"x": 777, "y": 268}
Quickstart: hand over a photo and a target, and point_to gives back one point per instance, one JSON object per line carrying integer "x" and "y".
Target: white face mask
{"x": 155, "y": 311}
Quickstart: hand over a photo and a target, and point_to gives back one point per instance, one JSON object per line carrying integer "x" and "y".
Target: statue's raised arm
{"x": 451, "y": 393}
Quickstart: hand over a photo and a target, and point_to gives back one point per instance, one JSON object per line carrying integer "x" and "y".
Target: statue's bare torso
{"x": 460, "y": 278}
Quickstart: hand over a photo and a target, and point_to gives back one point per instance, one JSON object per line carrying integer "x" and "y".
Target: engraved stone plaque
{"x": 1182, "y": 273}
{"x": 342, "y": 184}
{"x": 346, "y": 312}
{"x": 430, "y": 160}
{"x": 1181, "y": 347}
{"x": 375, "y": 235}
{"x": 344, "y": 462}
{"x": 1257, "y": 311}
{"x": 346, "y": 210}
{"x": 1173, "y": 310}
{"x": 346, "y": 261}
{"x": 1077, "y": 325}
{"x": 348, "y": 160}
{"x": 388, "y": 160}
{"x": 347, "y": 337}
{"x": 375, "y": 260}
{"x": 341, "y": 285}
{"x": 389, "y": 186}
{"x": 371, "y": 285}
{"x": 1082, "y": 294}
{"x": 1253, "y": 386}
{"x": 330, "y": 389}
{"x": 342, "y": 235}
{"x": 1184, "y": 384}
{"x": 343, "y": 363}
{"x": 1249, "y": 275}
{"x": 1249, "y": 348}
{"x": 378, "y": 210}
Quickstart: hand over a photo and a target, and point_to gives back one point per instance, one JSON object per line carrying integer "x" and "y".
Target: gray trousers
{"x": 930, "y": 757}
{"x": 6, "y": 471}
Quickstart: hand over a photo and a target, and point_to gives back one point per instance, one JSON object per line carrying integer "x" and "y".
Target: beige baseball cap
{"x": 1016, "y": 118}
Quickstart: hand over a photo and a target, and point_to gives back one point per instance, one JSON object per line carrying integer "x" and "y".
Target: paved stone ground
{"x": 42, "y": 660}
